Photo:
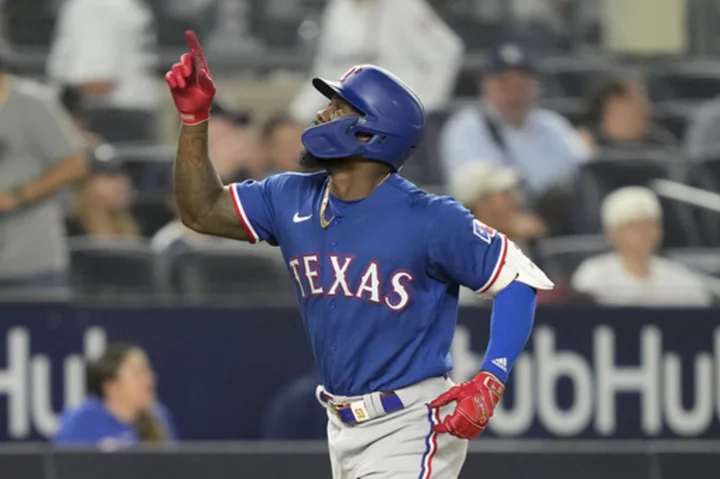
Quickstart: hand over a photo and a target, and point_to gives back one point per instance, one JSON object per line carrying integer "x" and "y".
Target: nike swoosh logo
{"x": 299, "y": 219}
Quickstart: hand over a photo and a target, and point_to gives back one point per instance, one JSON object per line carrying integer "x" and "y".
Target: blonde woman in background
{"x": 102, "y": 204}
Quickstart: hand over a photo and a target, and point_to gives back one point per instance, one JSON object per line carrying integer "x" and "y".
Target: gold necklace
{"x": 326, "y": 200}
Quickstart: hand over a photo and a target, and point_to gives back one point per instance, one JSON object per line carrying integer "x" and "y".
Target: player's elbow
{"x": 192, "y": 223}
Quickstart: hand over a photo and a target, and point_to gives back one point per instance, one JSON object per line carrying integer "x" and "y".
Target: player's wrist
{"x": 191, "y": 119}
{"x": 488, "y": 380}
{"x": 497, "y": 368}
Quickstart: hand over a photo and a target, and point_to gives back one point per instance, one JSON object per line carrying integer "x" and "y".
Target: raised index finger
{"x": 196, "y": 50}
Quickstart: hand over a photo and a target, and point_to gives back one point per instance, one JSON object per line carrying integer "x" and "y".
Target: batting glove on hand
{"x": 191, "y": 85}
{"x": 476, "y": 400}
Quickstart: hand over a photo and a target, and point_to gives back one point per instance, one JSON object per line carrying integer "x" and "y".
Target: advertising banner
{"x": 596, "y": 373}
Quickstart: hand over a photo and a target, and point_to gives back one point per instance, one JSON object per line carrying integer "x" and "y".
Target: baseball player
{"x": 377, "y": 265}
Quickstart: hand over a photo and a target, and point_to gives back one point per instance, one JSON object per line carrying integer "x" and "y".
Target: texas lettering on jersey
{"x": 392, "y": 293}
{"x": 378, "y": 286}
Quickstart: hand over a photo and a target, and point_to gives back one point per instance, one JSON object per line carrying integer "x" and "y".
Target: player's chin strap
{"x": 517, "y": 267}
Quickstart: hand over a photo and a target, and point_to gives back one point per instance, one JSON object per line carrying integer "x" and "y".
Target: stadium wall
{"x": 587, "y": 373}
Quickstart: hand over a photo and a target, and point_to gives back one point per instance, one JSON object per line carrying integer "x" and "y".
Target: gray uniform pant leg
{"x": 400, "y": 445}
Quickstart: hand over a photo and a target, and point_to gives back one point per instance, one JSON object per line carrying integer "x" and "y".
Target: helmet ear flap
{"x": 334, "y": 139}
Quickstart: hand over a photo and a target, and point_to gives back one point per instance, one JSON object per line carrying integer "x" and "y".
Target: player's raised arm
{"x": 204, "y": 204}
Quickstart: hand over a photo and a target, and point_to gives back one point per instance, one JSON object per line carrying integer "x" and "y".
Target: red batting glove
{"x": 191, "y": 85}
{"x": 476, "y": 400}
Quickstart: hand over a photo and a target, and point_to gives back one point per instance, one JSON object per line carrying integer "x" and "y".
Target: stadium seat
{"x": 467, "y": 84}
{"x": 149, "y": 165}
{"x": 706, "y": 174}
{"x": 615, "y": 169}
{"x": 122, "y": 125}
{"x": 229, "y": 272}
{"x": 674, "y": 117}
{"x": 424, "y": 165}
{"x": 685, "y": 81}
{"x": 571, "y": 108}
{"x": 570, "y": 78}
{"x": 706, "y": 170}
{"x": 29, "y": 22}
{"x": 477, "y": 35}
{"x": 559, "y": 257}
{"x": 112, "y": 267}
{"x": 151, "y": 212}
{"x": 703, "y": 260}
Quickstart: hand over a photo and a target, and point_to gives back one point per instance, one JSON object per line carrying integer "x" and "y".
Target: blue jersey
{"x": 92, "y": 423}
{"x": 378, "y": 288}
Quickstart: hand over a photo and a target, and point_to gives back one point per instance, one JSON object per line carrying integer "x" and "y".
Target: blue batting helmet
{"x": 392, "y": 116}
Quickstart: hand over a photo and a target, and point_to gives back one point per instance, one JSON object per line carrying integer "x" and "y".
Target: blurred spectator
{"x": 234, "y": 147}
{"x": 282, "y": 144}
{"x": 176, "y": 238}
{"x": 295, "y": 412}
{"x": 405, "y": 36}
{"x": 121, "y": 408}
{"x": 620, "y": 115}
{"x": 231, "y": 29}
{"x": 76, "y": 105}
{"x": 108, "y": 50}
{"x": 632, "y": 275}
{"x": 541, "y": 24}
{"x": 702, "y": 136}
{"x": 490, "y": 192}
{"x": 102, "y": 203}
{"x": 507, "y": 128}
{"x": 40, "y": 154}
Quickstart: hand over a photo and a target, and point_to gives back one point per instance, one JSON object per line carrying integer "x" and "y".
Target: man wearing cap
{"x": 506, "y": 128}
{"x": 41, "y": 152}
{"x": 491, "y": 193}
{"x": 632, "y": 275}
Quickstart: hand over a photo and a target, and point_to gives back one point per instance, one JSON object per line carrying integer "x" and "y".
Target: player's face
{"x": 134, "y": 385}
{"x": 639, "y": 238}
{"x": 337, "y": 108}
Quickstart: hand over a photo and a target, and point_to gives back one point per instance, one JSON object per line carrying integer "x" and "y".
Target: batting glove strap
{"x": 194, "y": 118}
{"x": 492, "y": 385}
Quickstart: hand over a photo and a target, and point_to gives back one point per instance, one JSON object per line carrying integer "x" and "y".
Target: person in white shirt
{"x": 108, "y": 49}
{"x": 404, "y": 36}
{"x": 633, "y": 275}
{"x": 506, "y": 128}
{"x": 491, "y": 193}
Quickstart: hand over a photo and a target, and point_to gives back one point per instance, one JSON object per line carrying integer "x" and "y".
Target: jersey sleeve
{"x": 462, "y": 249}
{"x": 254, "y": 206}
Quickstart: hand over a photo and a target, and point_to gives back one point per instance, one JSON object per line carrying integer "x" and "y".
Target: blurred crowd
{"x": 564, "y": 161}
